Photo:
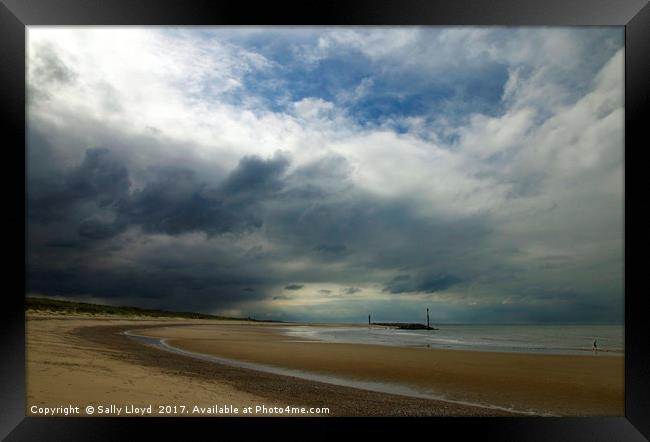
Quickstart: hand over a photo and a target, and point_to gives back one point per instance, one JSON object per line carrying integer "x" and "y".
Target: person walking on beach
{"x": 595, "y": 345}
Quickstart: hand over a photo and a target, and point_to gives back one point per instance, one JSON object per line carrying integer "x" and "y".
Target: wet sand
{"x": 82, "y": 360}
{"x": 564, "y": 385}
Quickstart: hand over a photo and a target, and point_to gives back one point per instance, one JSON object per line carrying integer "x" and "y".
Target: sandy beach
{"x": 64, "y": 367}
{"x": 85, "y": 360}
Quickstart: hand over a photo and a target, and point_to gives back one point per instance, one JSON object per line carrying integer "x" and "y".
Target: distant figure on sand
{"x": 595, "y": 345}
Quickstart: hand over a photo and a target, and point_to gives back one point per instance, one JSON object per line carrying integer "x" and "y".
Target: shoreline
{"x": 542, "y": 384}
{"x": 85, "y": 360}
{"x": 273, "y": 386}
{"x": 378, "y": 387}
{"x": 351, "y": 379}
{"x": 297, "y": 330}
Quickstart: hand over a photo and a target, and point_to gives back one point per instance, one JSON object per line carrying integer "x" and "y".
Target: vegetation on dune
{"x": 71, "y": 307}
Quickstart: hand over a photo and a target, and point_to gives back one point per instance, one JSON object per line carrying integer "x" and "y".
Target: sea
{"x": 553, "y": 339}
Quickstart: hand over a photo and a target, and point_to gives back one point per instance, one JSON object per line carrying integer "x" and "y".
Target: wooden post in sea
{"x": 427, "y": 318}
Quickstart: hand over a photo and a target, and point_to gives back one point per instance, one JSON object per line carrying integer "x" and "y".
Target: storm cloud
{"x": 360, "y": 171}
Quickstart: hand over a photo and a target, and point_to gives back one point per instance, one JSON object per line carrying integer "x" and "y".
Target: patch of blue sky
{"x": 384, "y": 98}
{"x": 394, "y": 92}
{"x": 452, "y": 99}
{"x": 290, "y": 81}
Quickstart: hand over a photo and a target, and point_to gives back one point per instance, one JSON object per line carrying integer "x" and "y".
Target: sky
{"x": 326, "y": 173}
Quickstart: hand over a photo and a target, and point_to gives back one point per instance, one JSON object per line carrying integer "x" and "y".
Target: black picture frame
{"x": 15, "y": 15}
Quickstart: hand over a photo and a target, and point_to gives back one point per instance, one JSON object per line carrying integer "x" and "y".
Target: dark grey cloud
{"x": 173, "y": 202}
{"x": 100, "y": 177}
{"x": 426, "y": 283}
{"x": 177, "y": 201}
{"x": 293, "y": 286}
{"x": 178, "y": 287}
{"x": 106, "y": 205}
{"x": 351, "y": 290}
{"x": 81, "y": 215}
{"x": 96, "y": 228}
{"x": 100, "y": 180}
{"x": 331, "y": 249}
{"x": 255, "y": 178}
{"x": 86, "y": 220}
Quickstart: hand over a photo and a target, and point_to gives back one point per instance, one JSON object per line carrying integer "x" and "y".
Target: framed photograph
{"x": 293, "y": 218}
